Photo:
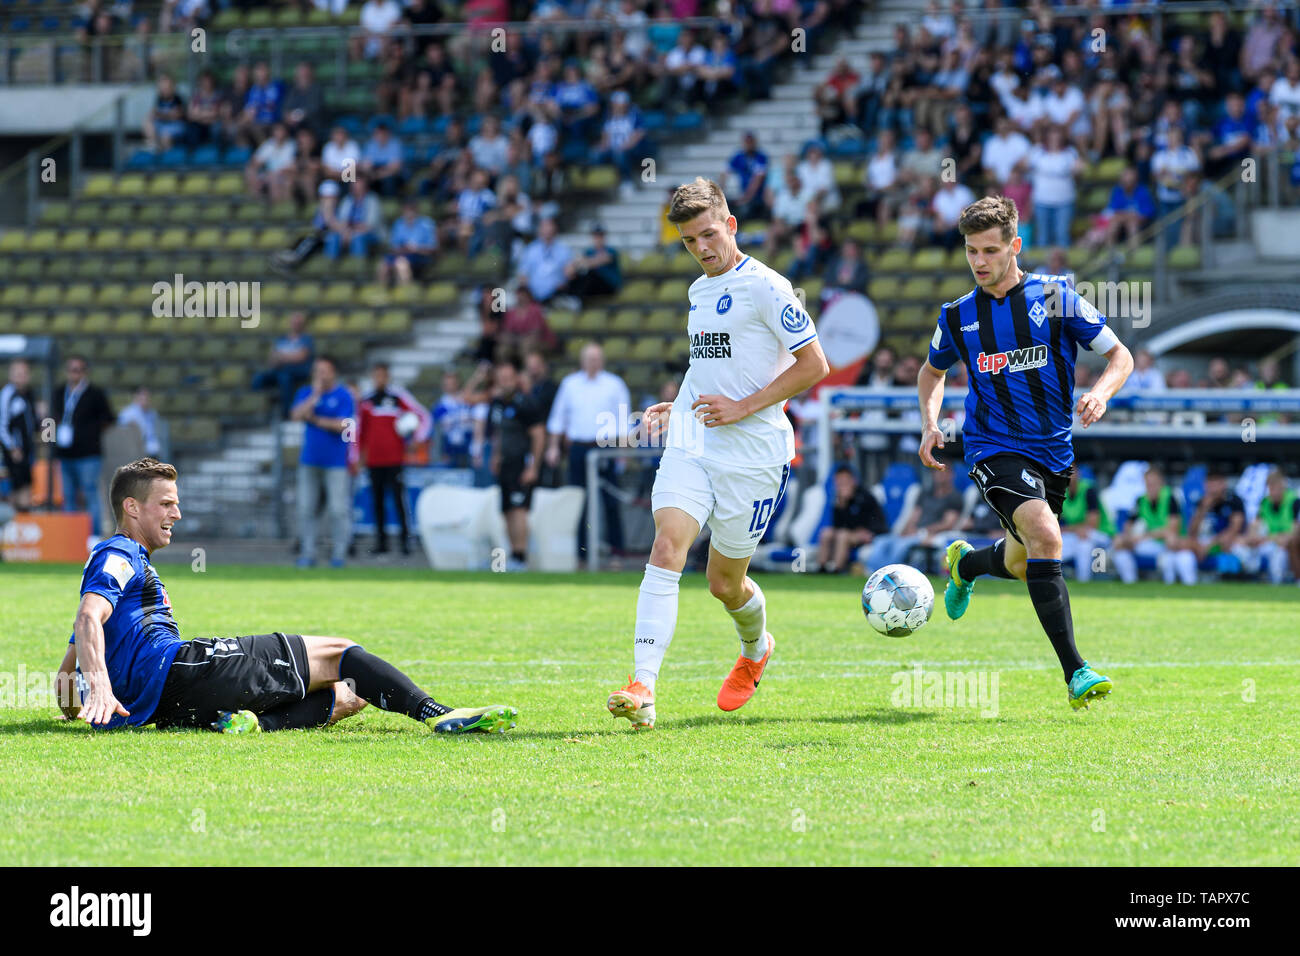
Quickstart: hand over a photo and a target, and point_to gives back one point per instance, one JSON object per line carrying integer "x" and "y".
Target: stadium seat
{"x": 459, "y": 526}
{"x": 898, "y": 490}
{"x": 552, "y": 522}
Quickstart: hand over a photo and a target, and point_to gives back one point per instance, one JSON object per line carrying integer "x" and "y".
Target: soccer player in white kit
{"x": 728, "y": 445}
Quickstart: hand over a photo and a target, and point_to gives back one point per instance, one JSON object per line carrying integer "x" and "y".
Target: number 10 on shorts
{"x": 762, "y": 511}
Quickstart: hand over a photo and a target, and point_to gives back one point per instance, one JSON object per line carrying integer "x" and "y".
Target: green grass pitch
{"x": 1193, "y": 760}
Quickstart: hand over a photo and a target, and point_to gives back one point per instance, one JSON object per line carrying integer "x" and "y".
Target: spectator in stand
{"x": 358, "y": 224}
{"x": 326, "y": 408}
{"x": 750, "y": 167}
{"x": 597, "y": 271}
{"x": 164, "y": 124}
{"x": 378, "y": 20}
{"x": 1172, "y": 168}
{"x": 541, "y": 267}
{"x": 881, "y": 181}
{"x": 305, "y": 176}
{"x": 475, "y": 208}
{"x": 622, "y": 141}
{"x": 180, "y": 16}
{"x": 1285, "y": 92}
{"x": 1152, "y": 531}
{"x": 233, "y": 99}
{"x": 18, "y": 432}
{"x": 1129, "y": 210}
{"x": 814, "y": 247}
{"x": 922, "y": 163}
{"x": 834, "y": 99}
{"x": 203, "y": 114}
{"x": 1233, "y": 139}
{"x": 719, "y": 71}
{"x": 1065, "y": 107}
{"x": 490, "y": 147}
{"x": 915, "y": 217}
{"x": 965, "y": 142}
{"x": 946, "y": 208}
{"x": 411, "y": 244}
{"x": 1004, "y": 150}
{"x": 846, "y": 272}
{"x": 678, "y": 71}
{"x": 789, "y": 211}
{"x": 381, "y": 161}
{"x": 140, "y": 414}
{"x": 591, "y": 407}
{"x": 1145, "y": 377}
{"x": 518, "y": 434}
{"x": 541, "y": 386}
{"x": 524, "y": 326}
{"x": 934, "y": 102}
{"x": 1109, "y": 107}
{"x": 383, "y": 449}
{"x": 82, "y": 412}
{"x": 1220, "y": 375}
{"x": 290, "y": 361}
{"x": 1054, "y": 167}
{"x": 1222, "y": 55}
{"x": 1085, "y": 526}
{"x": 303, "y": 104}
{"x": 1274, "y": 535}
{"x": 857, "y": 519}
{"x": 933, "y": 523}
{"x": 340, "y": 156}
{"x": 818, "y": 178}
{"x": 261, "y": 108}
{"x": 432, "y": 82}
{"x": 868, "y": 97}
{"x": 1262, "y": 44}
{"x": 579, "y": 104}
{"x": 270, "y": 171}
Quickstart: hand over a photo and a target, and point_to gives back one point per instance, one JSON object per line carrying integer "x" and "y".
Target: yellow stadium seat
{"x": 13, "y": 241}
{"x": 306, "y": 293}
{"x": 917, "y": 289}
{"x": 894, "y": 260}
{"x": 174, "y": 237}
{"x": 109, "y": 240}
{"x": 240, "y": 238}
{"x": 273, "y": 237}
{"x": 209, "y": 237}
{"x": 162, "y": 184}
{"x": 98, "y": 184}
{"x": 79, "y": 293}
{"x": 393, "y": 321}
{"x": 61, "y": 323}
{"x": 130, "y": 184}
{"x": 637, "y": 292}
{"x": 929, "y": 259}
{"x": 673, "y": 291}
{"x": 1184, "y": 257}
{"x": 327, "y": 322}
{"x": 97, "y": 322}
{"x": 884, "y": 288}
{"x": 74, "y": 240}
{"x": 16, "y": 295}
{"x": 862, "y": 230}
{"x": 227, "y": 184}
{"x": 128, "y": 321}
{"x": 111, "y": 296}
{"x": 195, "y": 184}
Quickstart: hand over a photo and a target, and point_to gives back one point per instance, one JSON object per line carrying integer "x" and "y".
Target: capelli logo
{"x": 77, "y": 909}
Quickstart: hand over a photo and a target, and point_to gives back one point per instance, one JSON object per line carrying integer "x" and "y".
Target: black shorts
{"x": 254, "y": 673}
{"x": 20, "y": 472}
{"x": 513, "y": 492}
{"x": 1008, "y": 479}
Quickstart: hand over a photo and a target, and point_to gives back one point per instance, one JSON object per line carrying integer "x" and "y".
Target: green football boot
{"x": 1086, "y": 685}
{"x": 236, "y": 722}
{"x": 956, "y": 596}
{"x": 496, "y": 719}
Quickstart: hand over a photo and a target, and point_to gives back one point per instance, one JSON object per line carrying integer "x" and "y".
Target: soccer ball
{"x": 897, "y": 600}
{"x": 406, "y": 424}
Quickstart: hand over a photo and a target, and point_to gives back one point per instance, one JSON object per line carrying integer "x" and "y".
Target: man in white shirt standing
{"x": 591, "y": 410}
{"x": 728, "y": 445}
{"x": 1003, "y": 150}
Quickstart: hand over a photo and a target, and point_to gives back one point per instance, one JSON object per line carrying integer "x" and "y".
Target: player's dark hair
{"x": 134, "y": 479}
{"x": 326, "y": 357}
{"x": 510, "y": 360}
{"x": 375, "y": 365}
{"x": 78, "y": 357}
{"x": 698, "y": 196}
{"x": 991, "y": 212}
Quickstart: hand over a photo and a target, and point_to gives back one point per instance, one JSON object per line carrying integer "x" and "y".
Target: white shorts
{"x": 736, "y": 501}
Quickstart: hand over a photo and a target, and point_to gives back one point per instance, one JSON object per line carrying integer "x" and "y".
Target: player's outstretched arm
{"x": 809, "y": 368}
{"x": 65, "y": 684}
{"x": 929, "y": 392}
{"x": 1092, "y": 403}
{"x": 100, "y": 705}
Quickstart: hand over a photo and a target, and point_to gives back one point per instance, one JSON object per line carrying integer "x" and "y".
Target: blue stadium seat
{"x": 653, "y": 120}
{"x": 849, "y": 149}
{"x": 473, "y": 124}
{"x": 411, "y": 154}
{"x": 381, "y": 118}
{"x": 440, "y": 125}
{"x": 142, "y": 159}
{"x": 173, "y": 157}
{"x": 236, "y": 156}
{"x": 207, "y": 155}
{"x": 19, "y": 25}
{"x": 687, "y": 122}
{"x": 1193, "y": 488}
{"x": 353, "y": 124}
{"x": 413, "y": 126}
{"x": 898, "y": 478}
{"x": 51, "y": 25}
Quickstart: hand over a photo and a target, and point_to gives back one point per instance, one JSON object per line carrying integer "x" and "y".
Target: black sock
{"x": 378, "y": 682}
{"x": 520, "y": 556}
{"x": 984, "y": 561}
{"x": 314, "y": 710}
{"x": 1052, "y": 603}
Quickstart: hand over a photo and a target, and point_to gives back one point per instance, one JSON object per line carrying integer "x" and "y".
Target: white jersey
{"x": 743, "y": 325}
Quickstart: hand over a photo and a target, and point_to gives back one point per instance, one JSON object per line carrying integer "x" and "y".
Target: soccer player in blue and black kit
{"x": 1018, "y": 334}
{"x": 137, "y": 669}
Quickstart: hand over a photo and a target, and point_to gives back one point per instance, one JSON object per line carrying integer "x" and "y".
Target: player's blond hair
{"x": 991, "y": 212}
{"x": 134, "y": 479}
{"x": 698, "y": 196}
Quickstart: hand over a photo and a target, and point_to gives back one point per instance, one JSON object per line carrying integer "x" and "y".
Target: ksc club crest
{"x": 724, "y": 303}
{"x": 794, "y": 320}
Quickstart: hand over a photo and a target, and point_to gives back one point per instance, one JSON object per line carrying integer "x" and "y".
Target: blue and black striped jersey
{"x": 1019, "y": 352}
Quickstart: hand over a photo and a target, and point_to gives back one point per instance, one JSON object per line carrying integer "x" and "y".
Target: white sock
{"x": 656, "y": 618}
{"x": 751, "y": 624}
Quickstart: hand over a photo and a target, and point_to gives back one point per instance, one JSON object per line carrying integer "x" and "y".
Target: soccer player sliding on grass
{"x": 138, "y": 670}
{"x": 728, "y": 446}
{"x": 1018, "y": 334}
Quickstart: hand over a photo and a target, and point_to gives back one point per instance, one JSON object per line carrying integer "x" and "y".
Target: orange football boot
{"x": 743, "y": 679}
{"x": 636, "y": 702}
